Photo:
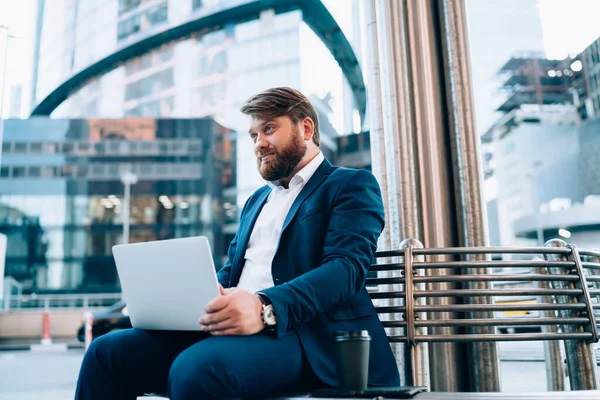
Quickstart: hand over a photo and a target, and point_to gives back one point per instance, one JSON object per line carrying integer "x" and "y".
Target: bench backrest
{"x": 418, "y": 291}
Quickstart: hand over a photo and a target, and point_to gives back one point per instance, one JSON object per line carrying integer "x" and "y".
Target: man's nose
{"x": 261, "y": 142}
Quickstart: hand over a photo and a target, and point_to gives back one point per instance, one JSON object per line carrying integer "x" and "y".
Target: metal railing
{"x": 558, "y": 295}
{"x": 32, "y": 302}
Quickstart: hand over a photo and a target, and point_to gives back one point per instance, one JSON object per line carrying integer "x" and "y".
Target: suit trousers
{"x": 193, "y": 365}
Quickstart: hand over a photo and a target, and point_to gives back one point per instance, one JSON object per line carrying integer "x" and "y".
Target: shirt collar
{"x": 304, "y": 174}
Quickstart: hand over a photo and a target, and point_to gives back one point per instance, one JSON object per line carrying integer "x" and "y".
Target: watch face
{"x": 269, "y": 315}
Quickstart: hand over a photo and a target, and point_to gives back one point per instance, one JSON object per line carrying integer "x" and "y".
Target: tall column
{"x": 427, "y": 154}
{"x": 398, "y": 126}
{"x": 379, "y": 163}
{"x": 375, "y": 114}
{"x": 398, "y": 138}
{"x": 448, "y": 361}
{"x": 468, "y": 178}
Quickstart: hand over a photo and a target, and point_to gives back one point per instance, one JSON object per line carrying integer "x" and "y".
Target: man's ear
{"x": 308, "y": 127}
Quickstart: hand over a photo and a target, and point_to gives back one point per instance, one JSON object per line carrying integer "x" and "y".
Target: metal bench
{"x": 563, "y": 282}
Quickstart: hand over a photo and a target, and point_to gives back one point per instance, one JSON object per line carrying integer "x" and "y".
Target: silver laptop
{"x": 168, "y": 283}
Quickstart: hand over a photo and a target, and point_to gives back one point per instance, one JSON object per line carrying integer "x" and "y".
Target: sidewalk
{"x": 24, "y": 344}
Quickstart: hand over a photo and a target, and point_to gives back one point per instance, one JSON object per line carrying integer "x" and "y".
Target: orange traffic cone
{"x": 89, "y": 322}
{"x": 46, "y": 336}
{"x": 46, "y": 342}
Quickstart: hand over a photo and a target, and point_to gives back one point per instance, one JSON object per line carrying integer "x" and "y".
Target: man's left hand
{"x": 235, "y": 312}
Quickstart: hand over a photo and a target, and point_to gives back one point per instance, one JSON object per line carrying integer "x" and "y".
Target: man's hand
{"x": 235, "y": 312}
{"x": 226, "y": 291}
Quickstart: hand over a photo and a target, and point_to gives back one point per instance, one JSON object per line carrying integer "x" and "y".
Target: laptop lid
{"x": 168, "y": 283}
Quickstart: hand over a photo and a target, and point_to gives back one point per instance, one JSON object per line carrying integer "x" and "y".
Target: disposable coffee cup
{"x": 351, "y": 351}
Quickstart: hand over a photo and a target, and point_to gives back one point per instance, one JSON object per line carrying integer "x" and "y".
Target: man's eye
{"x": 253, "y": 136}
{"x": 268, "y": 128}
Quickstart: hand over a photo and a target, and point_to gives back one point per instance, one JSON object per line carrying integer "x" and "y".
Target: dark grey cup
{"x": 351, "y": 351}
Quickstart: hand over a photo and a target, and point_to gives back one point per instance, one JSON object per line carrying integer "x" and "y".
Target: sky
{"x": 20, "y": 17}
{"x": 568, "y": 27}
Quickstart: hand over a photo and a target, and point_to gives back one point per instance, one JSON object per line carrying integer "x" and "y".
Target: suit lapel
{"x": 319, "y": 176}
{"x": 244, "y": 235}
{"x": 246, "y": 228}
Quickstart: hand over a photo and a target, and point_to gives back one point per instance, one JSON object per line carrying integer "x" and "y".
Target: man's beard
{"x": 283, "y": 161}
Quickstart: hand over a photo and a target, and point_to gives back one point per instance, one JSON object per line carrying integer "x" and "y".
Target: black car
{"x": 113, "y": 318}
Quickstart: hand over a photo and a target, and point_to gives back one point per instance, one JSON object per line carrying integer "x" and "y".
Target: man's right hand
{"x": 224, "y": 291}
{"x": 235, "y": 312}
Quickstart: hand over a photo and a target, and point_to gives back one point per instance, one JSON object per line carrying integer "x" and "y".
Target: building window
{"x": 49, "y": 148}
{"x": 48, "y": 172}
{"x": 156, "y": 108}
{"x": 143, "y": 20}
{"x": 34, "y": 172}
{"x": 99, "y": 148}
{"x": 67, "y": 147}
{"x": 196, "y": 4}
{"x": 67, "y": 171}
{"x": 163, "y": 148}
{"x": 35, "y": 147}
{"x": 128, "y": 5}
{"x": 212, "y": 64}
{"x": 148, "y": 60}
{"x": 195, "y": 148}
{"x": 4, "y": 172}
{"x": 147, "y": 86}
{"x": 20, "y": 147}
{"x": 18, "y": 172}
{"x": 148, "y": 147}
{"x": 83, "y": 147}
{"x": 113, "y": 147}
{"x": 81, "y": 171}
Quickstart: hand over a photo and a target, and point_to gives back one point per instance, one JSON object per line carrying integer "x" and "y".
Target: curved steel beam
{"x": 314, "y": 12}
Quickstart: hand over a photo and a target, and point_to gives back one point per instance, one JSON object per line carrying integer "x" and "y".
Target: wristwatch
{"x": 268, "y": 312}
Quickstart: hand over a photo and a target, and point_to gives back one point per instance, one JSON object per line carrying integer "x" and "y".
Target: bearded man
{"x": 295, "y": 274}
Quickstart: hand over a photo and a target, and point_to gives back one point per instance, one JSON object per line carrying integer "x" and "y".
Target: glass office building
{"x": 61, "y": 197}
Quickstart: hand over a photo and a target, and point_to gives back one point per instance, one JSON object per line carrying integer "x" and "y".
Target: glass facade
{"x": 209, "y": 73}
{"x": 62, "y": 198}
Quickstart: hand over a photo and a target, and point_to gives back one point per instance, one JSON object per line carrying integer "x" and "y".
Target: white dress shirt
{"x": 256, "y": 273}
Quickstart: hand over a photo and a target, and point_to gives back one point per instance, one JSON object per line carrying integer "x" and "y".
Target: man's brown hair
{"x": 282, "y": 101}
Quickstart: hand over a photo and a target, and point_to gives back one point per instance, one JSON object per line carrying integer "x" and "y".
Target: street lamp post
{"x": 128, "y": 179}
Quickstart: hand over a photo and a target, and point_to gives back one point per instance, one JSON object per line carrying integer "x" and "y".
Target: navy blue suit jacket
{"x": 326, "y": 245}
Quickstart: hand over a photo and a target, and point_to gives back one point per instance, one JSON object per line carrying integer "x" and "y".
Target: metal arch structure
{"x": 315, "y": 15}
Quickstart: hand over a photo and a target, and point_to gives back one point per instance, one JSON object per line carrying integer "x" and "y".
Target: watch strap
{"x": 263, "y": 298}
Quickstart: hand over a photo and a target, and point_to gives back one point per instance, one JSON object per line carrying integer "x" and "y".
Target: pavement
{"x": 25, "y": 344}
{"x": 28, "y": 375}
